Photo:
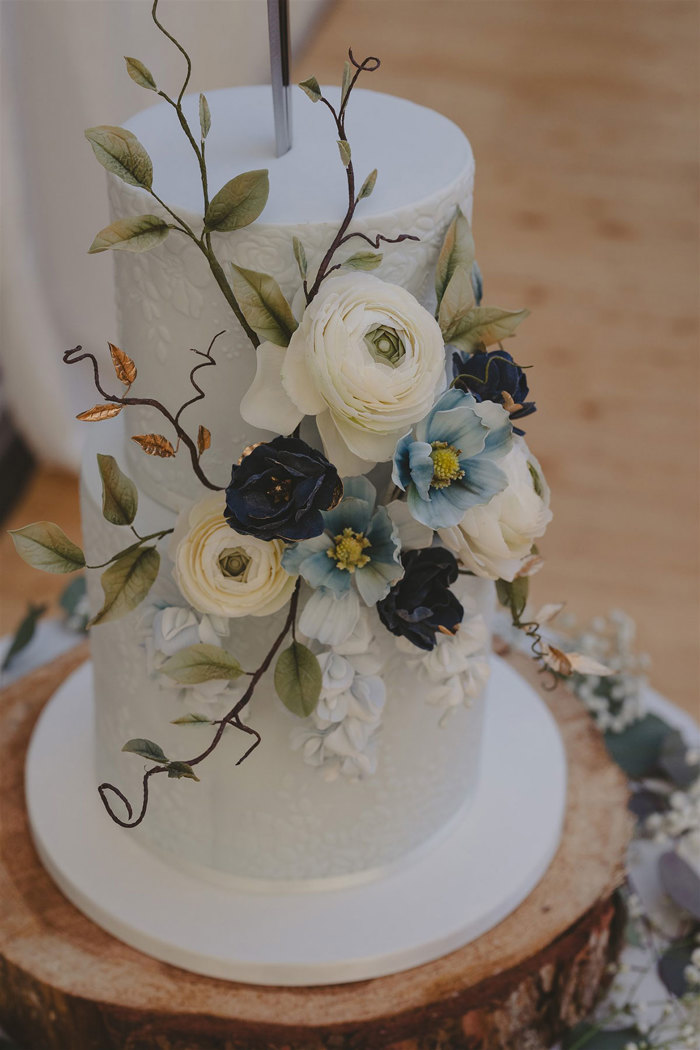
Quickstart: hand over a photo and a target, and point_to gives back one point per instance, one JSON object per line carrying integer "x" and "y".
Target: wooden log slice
{"x": 67, "y": 985}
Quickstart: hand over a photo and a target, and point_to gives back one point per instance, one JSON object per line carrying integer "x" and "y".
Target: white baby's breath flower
{"x": 367, "y": 360}
{"x": 495, "y": 540}
{"x": 222, "y": 572}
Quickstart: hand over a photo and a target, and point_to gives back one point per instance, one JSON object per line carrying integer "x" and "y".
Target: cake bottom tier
{"x": 274, "y": 817}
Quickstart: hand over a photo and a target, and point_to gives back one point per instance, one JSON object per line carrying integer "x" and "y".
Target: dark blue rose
{"x": 490, "y": 375}
{"x": 279, "y": 489}
{"x": 421, "y": 602}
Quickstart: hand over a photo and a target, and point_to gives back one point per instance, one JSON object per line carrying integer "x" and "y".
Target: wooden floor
{"x": 582, "y": 115}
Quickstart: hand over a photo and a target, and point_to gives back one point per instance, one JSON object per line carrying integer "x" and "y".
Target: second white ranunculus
{"x": 495, "y": 540}
{"x": 367, "y": 360}
{"x": 221, "y": 572}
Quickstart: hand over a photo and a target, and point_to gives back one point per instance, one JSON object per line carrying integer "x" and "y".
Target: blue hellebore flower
{"x": 359, "y": 543}
{"x": 450, "y": 463}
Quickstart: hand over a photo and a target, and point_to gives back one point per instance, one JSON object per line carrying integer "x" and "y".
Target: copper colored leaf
{"x": 99, "y": 412}
{"x": 203, "y": 439}
{"x": 123, "y": 365}
{"x": 154, "y": 445}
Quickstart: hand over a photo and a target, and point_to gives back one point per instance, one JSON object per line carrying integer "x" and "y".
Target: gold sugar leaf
{"x": 203, "y": 439}
{"x": 99, "y": 412}
{"x": 154, "y": 445}
{"x": 123, "y": 365}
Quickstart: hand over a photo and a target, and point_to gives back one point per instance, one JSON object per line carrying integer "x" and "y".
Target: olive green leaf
{"x": 139, "y": 233}
{"x": 192, "y": 719}
{"x": 140, "y": 74}
{"x": 239, "y": 202}
{"x": 347, "y": 78}
{"x": 456, "y": 302}
{"x": 24, "y": 633}
{"x": 513, "y": 595}
{"x": 120, "y": 152}
{"x": 457, "y": 252}
{"x": 263, "y": 304}
{"x": 368, "y": 185}
{"x": 204, "y": 116}
{"x": 120, "y": 499}
{"x": 178, "y": 770}
{"x": 45, "y": 546}
{"x": 300, "y": 256}
{"x": 145, "y": 749}
{"x": 363, "y": 261}
{"x": 126, "y": 582}
{"x": 345, "y": 152}
{"x": 311, "y": 88}
{"x": 483, "y": 324}
{"x": 201, "y": 663}
{"x": 298, "y": 679}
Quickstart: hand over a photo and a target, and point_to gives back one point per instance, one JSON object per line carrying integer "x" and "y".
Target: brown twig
{"x": 233, "y": 718}
{"x": 76, "y": 354}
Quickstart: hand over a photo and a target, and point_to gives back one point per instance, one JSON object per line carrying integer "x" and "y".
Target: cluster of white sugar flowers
{"x": 681, "y": 821}
{"x": 692, "y": 970}
{"x": 340, "y": 736}
{"x": 614, "y": 702}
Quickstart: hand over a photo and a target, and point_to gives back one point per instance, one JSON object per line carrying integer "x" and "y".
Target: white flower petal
{"x": 266, "y": 404}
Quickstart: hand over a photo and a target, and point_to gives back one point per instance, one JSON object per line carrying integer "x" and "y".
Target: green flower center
{"x": 349, "y": 550}
{"x": 385, "y": 345}
{"x": 235, "y": 563}
{"x": 446, "y": 468}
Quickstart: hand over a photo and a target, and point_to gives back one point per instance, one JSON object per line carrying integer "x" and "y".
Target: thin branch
{"x": 74, "y": 356}
{"x": 231, "y": 719}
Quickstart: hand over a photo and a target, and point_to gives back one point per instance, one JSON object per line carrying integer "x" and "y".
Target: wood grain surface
{"x": 64, "y": 983}
{"x": 582, "y": 115}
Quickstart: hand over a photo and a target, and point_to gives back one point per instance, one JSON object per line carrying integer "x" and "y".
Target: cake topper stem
{"x": 278, "y": 25}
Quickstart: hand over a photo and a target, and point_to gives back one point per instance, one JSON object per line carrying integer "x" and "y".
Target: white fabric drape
{"x": 63, "y": 71}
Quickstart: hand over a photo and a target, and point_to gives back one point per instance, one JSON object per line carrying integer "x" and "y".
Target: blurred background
{"x": 583, "y": 118}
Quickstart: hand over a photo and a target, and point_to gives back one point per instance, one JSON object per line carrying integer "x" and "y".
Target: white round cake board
{"x": 439, "y": 901}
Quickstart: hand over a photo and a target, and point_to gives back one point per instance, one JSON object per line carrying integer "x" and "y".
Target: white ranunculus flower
{"x": 495, "y": 540}
{"x": 223, "y": 573}
{"x": 367, "y": 360}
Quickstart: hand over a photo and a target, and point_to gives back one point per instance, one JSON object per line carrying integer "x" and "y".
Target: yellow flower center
{"x": 348, "y": 550}
{"x": 446, "y": 468}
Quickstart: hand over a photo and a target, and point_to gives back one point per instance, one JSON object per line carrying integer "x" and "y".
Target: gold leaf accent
{"x": 154, "y": 445}
{"x": 203, "y": 439}
{"x": 247, "y": 450}
{"x": 99, "y": 412}
{"x": 123, "y": 365}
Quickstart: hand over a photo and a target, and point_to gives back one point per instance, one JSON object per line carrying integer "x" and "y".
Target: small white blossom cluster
{"x": 681, "y": 821}
{"x": 692, "y": 971}
{"x": 340, "y": 737}
{"x": 170, "y": 629}
{"x": 615, "y": 702}
{"x": 457, "y": 669}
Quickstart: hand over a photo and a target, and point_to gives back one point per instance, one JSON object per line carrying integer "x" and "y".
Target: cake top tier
{"x": 416, "y": 151}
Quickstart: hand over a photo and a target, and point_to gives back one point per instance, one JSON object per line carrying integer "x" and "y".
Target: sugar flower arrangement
{"x": 301, "y": 532}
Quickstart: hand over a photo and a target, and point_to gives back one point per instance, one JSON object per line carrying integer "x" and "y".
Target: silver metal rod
{"x": 278, "y": 23}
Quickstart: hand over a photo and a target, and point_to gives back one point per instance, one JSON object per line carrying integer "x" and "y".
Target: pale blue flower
{"x": 450, "y": 464}
{"x": 359, "y": 544}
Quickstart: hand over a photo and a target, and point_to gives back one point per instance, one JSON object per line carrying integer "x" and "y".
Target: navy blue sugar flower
{"x": 494, "y": 376}
{"x": 279, "y": 490}
{"x": 421, "y": 603}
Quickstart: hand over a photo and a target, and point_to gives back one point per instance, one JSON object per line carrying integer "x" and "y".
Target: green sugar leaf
{"x": 120, "y": 152}
{"x": 145, "y": 749}
{"x": 139, "y": 233}
{"x": 204, "y": 116}
{"x": 201, "y": 663}
{"x": 45, "y": 546}
{"x": 140, "y": 74}
{"x": 368, "y": 185}
{"x": 345, "y": 152}
{"x": 363, "y": 261}
{"x": 239, "y": 202}
{"x": 178, "y": 770}
{"x": 457, "y": 252}
{"x": 120, "y": 498}
{"x": 300, "y": 256}
{"x": 311, "y": 88}
{"x": 264, "y": 306}
{"x": 126, "y": 582}
{"x": 298, "y": 679}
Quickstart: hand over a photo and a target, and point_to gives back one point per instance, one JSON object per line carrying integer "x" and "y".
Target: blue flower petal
{"x": 401, "y": 470}
{"x": 375, "y": 580}
{"x": 462, "y": 428}
{"x": 351, "y": 513}
{"x": 295, "y": 556}
{"x": 321, "y": 571}
{"x": 360, "y": 487}
{"x": 481, "y": 482}
{"x": 421, "y": 466}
